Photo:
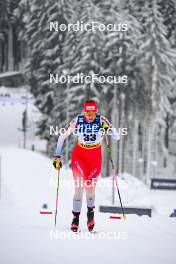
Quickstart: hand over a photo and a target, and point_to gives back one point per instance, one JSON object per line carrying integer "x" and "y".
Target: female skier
{"x": 86, "y": 158}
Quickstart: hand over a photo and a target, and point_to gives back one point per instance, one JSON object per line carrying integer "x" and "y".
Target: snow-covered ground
{"x": 29, "y": 181}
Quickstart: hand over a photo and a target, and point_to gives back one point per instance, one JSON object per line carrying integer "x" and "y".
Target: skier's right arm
{"x": 63, "y": 135}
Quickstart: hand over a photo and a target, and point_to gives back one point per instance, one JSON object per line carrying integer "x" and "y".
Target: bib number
{"x": 89, "y": 137}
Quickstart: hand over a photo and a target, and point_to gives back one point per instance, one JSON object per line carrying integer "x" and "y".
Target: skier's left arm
{"x": 64, "y": 135}
{"x": 112, "y": 131}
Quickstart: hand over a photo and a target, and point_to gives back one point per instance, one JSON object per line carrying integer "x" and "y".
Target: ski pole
{"x": 114, "y": 175}
{"x": 57, "y": 196}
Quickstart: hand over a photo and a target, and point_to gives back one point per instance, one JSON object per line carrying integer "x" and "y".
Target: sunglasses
{"x": 91, "y": 114}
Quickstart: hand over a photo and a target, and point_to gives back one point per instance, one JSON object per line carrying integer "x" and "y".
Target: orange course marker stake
{"x": 116, "y": 217}
{"x": 45, "y": 212}
{"x": 119, "y": 217}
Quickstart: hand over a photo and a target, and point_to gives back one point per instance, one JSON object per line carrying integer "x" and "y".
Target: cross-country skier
{"x": 86, "y": 158}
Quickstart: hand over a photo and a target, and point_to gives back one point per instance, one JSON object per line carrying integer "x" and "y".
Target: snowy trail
{"x": 28, "y": 237}
{"x": 29, "y": 244}
{"x": 144, "y": 239}
{"x": 11, "y": 111}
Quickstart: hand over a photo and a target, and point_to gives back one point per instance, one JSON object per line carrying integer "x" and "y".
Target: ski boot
{"x": 90, "y": 218}
{"x": 75, "y": 222}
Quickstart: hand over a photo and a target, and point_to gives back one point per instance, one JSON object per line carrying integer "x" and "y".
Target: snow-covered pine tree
{"x": 168, "y": 10}
{"x": 45, "y": 55}
{"x": 51, "y": 61}
{"x": 121, "y": 51}
{"x": 136, "y": 9}
{"x": 3, "y": 14}
{"x": 67, "y": 52}
{"x": 83, "y": 54}
{"x": 3, "y": 29}
{"x": 60, "y": 113}
{"x": 157, "y": 62}
{"x": 8, "y": 29}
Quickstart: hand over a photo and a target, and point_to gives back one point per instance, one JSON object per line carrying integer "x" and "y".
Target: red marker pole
{"x": 43, "y": 212}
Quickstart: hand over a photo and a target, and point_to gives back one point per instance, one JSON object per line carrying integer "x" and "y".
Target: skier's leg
{"x": 77, "y": 204}
{"x": 94, "y": 168}
{"x": 79, "y": 171}
{"x": 90, "y": 196}
{"x": 94, "y": 162}
{"x": 77, "y": 198}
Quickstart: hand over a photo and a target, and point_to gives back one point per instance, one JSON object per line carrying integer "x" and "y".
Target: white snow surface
{"x": 28, "y": 180}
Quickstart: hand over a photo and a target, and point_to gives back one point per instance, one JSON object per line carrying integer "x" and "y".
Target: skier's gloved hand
{"x": 57, "y": 163}
{"x": 105, "y": 126}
